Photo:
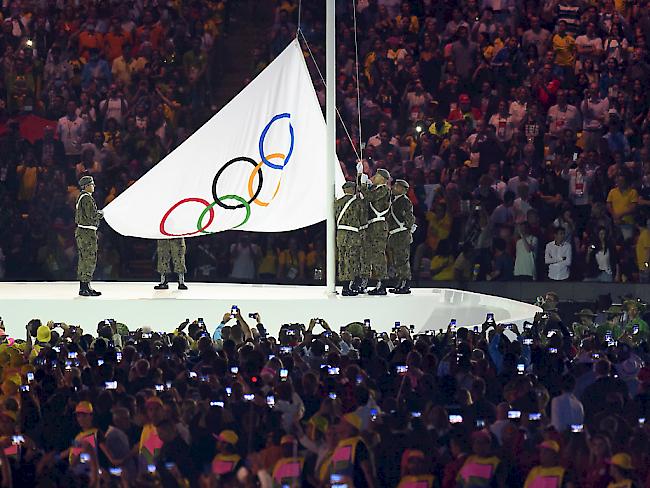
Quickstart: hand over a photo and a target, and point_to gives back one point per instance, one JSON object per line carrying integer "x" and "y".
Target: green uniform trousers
{"x": 348, "y": 247}
{"x": 399, "y": 254}
{"x": 171, "y": 250}
{"x": 87, "y": 251}
{"x": 374, "y": 247}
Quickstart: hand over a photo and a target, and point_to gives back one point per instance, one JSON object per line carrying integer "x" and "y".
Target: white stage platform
{"x": 138, "y": 304}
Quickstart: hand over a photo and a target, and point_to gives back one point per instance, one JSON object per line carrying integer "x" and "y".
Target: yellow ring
{"x": 257, "y": 201}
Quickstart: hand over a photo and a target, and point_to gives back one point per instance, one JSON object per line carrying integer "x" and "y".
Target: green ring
{"x": 199, "y": 224}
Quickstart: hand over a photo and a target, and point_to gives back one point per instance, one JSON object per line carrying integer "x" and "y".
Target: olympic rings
{"x": 263, "y": 136}
{"x": 242, "y": 203}
{"x": 209, "y": 208}
{"x": 217, "y": 200}
{"x": 252, "y": 178}
{"x": 175, "y": 206}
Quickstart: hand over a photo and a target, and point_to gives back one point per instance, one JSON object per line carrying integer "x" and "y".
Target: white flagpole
{"x": 330, "y": 116}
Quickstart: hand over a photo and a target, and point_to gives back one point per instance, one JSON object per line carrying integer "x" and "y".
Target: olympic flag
{"x": 257, "y": 165}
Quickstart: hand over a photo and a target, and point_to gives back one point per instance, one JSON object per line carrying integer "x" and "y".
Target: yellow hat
{"x": 353, "y": 419}
{"x": 552, "y": 445}
{"x": 621, "y": 460}
{"x": 229, "y": 437}
{"x": 84, "y": 407}
{"x": 43, "y": 334}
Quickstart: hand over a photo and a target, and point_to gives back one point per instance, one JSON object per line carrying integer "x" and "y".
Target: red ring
{"x": 185, "y": 200}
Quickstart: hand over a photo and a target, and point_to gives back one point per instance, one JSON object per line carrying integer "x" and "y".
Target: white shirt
{"x": 71, "y": 133}
{"x": 566, "y": 410}
{"x": 559, "y": 260}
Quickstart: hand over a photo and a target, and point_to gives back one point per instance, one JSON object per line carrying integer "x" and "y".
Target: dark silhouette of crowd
{"x": 318, "y": 405}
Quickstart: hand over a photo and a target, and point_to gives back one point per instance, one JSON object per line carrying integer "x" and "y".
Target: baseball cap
{"x": 84, "y": 407}
{"x": 621, "y": 460}
{"x": 43, "y": 334}
{"x": 552, "y": 445}
{"x": 229, "y": 437}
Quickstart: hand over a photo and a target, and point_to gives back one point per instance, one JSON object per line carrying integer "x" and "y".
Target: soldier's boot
{"x": 93, "y": 293}
{"x": 361, "y": 286}
{"x": 399, "y": 285}
{"x": 405, "y": 289}
{"x": 348, "y": 290}
{"x": 181, "y": 281}
{"x": 164, "y": 284}
{"x": 84, "y": 290}
{"x": 379, "y": 290}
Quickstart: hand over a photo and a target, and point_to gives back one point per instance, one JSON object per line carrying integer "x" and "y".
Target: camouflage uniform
{"x": 174, "y": 250}
{"x": 349, "y": 211}
{"x": 87, "y": 219}
{"x": 400, "y": 220}
{"x": 378, "y": 198}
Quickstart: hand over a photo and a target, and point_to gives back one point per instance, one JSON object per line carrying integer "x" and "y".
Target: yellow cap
{"x": 353, "y": 419}
{"x": 622, "y": 460}
{"x": 43, "y": 334}
{"x": 229, "y": 437}
{"x": 552, "y": 445}
{"x": 84, "y": 407}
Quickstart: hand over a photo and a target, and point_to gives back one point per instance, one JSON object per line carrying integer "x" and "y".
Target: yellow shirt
{"x": 28, "y": 181}
{"x": 564, "y": 48}
{"x": 447, "y": 265}
{"x": 623, "y": 202}
{"x": 642, "y": 249}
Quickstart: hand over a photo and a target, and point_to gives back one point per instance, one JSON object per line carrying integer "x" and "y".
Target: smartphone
{"x": 30, "y": 376}
{"x": 57, "y": 349}
{"x": 110, "y": 385}
{"x": 480, "y": 424}
{"x": 115, "y": 471}
{"x": 520, "y": 368}
{"x": 595, "y": 355}
{"x": 151, "y": 468}
{"x": 455, "y": 419}
{"x": 416, "y": 415}
{"x": 397, "y": 325}
{"x": 401, "y": 369}
{"x": 284, "y": 373}
{"x": 146, "y": 335}
{"x": 72, "y": 355}
{"x": 333, "y": 371}
{"x": 534, "y": 416}
{"x": 100, "y": 362}
{"x": 476, "y": 329}
{"x": 576, "y": 428}
{"x": 170, "y": 466}
{"x": 489, "y": 318}
{"x": 204, "y": 378}
{"x": 635, "y": 329}
{"x": 228, "y": 390}
{"x": 234, "y": 370}
{"x": 84, "y": 457}
{"x": 68, "y": 365}
{"x": 200, "y": 321}
{"x": 366, "y": 323}
{"x": 332, "y": 395}
{"x": 641, "y": 421}
{"x": 249, "y": 397}
{"x": 160, "y": 387}
{"x": 285, "y": 349}
{"x": 216, "y": 404}
{"x": 373, "y": 414}
{"x": 550, "y": 334}
{"x": 270, "y": 400}
{"x": 514, "y": 414}
{"x": 192, "y": 374}
{"x": 233, "y": 311}
{"x": 17, "y": 439}
{"x": 452, "y": 325}
{"x": 552, "y": 350}
{"x": 528, "y": 342}
{"x": 24, "y": 388}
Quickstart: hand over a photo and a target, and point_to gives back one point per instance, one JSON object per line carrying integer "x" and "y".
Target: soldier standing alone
{"x": 401, "y": 225}
{"x": 87, "y": 218}
{"x": 171, "y": 250}
{"x": 378, "y": 199}
{"x": 349, "y": 212}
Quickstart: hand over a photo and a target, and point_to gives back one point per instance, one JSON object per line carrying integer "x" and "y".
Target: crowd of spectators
{"x": 227, "y": 405}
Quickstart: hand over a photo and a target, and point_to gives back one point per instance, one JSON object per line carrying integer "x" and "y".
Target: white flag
{"x": 257, "y": 165}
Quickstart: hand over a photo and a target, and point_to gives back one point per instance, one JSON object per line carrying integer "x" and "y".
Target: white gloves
{"x": 359, "y": 167}
{"x": 414, "y": 227}
{"x": 101, "y": 214}
{"x": 364, "y": 179}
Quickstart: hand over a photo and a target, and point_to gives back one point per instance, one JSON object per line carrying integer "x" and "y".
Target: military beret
{"x": 383, "y": 173}
{"x": 403, "y": 183}
{"x": 349, "y": 184}
{"x": 86, "y": 180}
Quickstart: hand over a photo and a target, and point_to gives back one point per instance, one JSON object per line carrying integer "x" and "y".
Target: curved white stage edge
{"x": 138, "y": 304}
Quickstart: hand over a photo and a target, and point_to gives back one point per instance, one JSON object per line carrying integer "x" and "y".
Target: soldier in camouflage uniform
{"x": 378, "y": 198}
{"x": 401, "y": 225}
{"x": 171, "y": 250}
{"x": 349, "y": 210}
{"x": 87, "y": 219}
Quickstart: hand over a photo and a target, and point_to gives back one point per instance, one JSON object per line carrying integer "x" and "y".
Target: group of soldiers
{"x": 374, "y": 228}
{"x": 171, "y": 252}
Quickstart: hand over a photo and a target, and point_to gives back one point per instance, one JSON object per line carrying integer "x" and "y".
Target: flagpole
{"x": 330, "y": 116}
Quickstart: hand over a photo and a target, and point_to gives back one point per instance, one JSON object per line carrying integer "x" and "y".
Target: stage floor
{"x": 138, "y": 305}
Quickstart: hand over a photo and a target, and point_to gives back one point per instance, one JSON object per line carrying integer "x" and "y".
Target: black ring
{"x": 218, "y": 175}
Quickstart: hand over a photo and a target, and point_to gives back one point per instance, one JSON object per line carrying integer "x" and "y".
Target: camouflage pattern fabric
{"x": 399, "y": 243}
{"x": 348, "y": 242}
{"x": 171, "y": 250}
{"x": 87, "y": 251}
{"x": 376, "y": 237}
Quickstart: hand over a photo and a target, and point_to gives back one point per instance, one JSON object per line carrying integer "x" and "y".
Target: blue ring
{"x": 263, "y": 135}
